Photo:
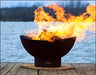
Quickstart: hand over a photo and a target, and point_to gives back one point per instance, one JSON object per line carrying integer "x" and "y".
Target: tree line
{"x": 27, "y": 13}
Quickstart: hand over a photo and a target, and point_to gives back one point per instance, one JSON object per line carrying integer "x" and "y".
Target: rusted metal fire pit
{"x": 47, "y": 54}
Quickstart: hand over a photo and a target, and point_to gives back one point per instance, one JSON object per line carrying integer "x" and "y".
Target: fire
{"x": 62, "y": 27}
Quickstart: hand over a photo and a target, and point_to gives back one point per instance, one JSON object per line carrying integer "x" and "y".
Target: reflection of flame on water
{"x": 69, "y": 26}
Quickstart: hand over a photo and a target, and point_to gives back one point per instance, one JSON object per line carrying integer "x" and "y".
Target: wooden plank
{"x": 2, "y": 65}
{"x": 32, "y": 72}
{"x": 89, "y": 68}
{"x": 52, "y": 72}
{"x": 66, "y": 72}
{"x": 14, "y": 70}
{"x": 7, "y": 68}
{"x": 61, "y": 72}
{"x": 42, "y": 72}
{"x": 47, "y": 68}
{"x": 78, "y": 69}
{"x": 47, "y": 71}
{"x": 71, "y": 71}
{"x": 22, "y": 71}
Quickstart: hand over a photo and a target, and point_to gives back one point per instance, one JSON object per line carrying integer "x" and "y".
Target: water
{"x": 13, "y": 51}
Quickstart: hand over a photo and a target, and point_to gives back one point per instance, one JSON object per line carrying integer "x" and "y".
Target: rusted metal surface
{"x": 47, "y": 54}
{"x": 48, "y": 62}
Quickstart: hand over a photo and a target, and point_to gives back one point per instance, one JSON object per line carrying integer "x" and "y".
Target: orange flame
{"x": 68, "y": 27}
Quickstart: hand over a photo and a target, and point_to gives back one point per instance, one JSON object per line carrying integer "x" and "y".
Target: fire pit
{"x": 53, "y": 37}
{"x": 47, "y": 54}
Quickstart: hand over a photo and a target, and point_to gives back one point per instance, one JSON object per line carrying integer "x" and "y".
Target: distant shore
{"x": 27, "y": 13}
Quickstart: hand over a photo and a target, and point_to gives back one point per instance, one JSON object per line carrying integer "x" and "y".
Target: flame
{"x": 69, "y": 26}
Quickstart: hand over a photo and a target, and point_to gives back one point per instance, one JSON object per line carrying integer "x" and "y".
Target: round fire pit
{"x": 47, "y": 54}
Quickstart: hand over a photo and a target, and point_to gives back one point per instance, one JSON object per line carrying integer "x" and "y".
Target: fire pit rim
{"x": 28, "y": 38}
{"x": 47, "y": 54}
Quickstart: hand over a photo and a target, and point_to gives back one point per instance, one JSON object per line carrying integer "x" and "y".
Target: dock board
{"x": 80, "y": 69}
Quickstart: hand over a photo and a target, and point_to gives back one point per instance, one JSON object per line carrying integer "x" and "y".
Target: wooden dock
{"x": 80, "y": 69}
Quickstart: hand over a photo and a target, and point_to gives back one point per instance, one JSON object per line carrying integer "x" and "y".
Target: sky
{"x": 30, "y": 3}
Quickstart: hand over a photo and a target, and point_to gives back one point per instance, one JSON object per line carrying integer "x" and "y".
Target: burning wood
{"x": 45, "y": 36}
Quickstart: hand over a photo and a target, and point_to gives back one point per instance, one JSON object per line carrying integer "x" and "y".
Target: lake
{"x": 13, "y": 51}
